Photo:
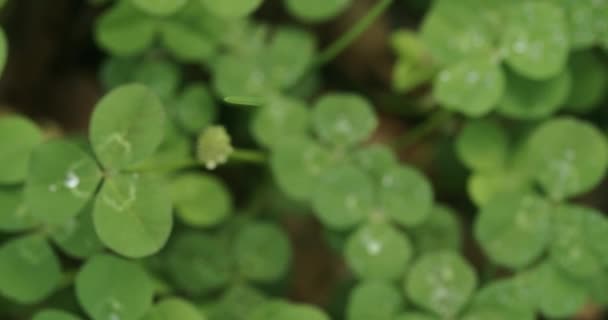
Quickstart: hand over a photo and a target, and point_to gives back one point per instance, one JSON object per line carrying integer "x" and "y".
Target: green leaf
{"x": 160, "y": 76}
{"x": 491, "y": 313}
{"x": 174, "y": 308}
{"x": 567, "y": 157}
{"x": 29, "y": 270}
{"x": 457, "y": 30}
{"x": 132, "y": 215}
{"x": 14, "y": 213}
{"x": 484, "y": 186}
{"x": 534, "y": 99}
{"x": 415, "y": 316}
{"x": 535, "y": 41}
{"x": 514, "y": 229}
{"x": 201, "y": 200}
{"x": 406, "y": 196}
{"x": 117, "y": 71}
{"x": 571, "y": 246}
{"x": 282, "y": 117}
{"x": 316, "y": 10}
{"x": 343, "y": 119}
{"x": 195, "y": 108}
{"x": 375, "y": 159}
{"x": 343, "y": 197}
{"x": 303, "y": 153}
{"x": 589, "y": 81}
{"x": 19, "y": 137}
{"x": 472, "y": 87}
{"x": 441, "y": 282}
{"x": 192, "y": 35}
{"x": 159, "y": 7}
{"x": 50, "y": 314}
{"x": 508, "y": 295}
{"x": 241, "y": 76}
{"x": 62, "y": 179}
{"x": 596, "y": 231}
{"x": 288, "y": 56}
{"x": 262, "y": 252}
{"x": 238, "y": 302}
{"x": 585, "y": 20}
{"x": 556, "y": 295}
{"x": 441, "y": 231}
{"x": 378, "y": 251}
{"x": 125, "y": 31}
{"x": 199, "y": 263}
{"x": 127, "y": 126}
{"x": 102, "y": 299}
{"x": 77, "y": 237}
{"x": 3, "y": 50}
{"x": 374, "y": 300}
{"x": 483, "y": 145}
{"x": 232, "y": 8}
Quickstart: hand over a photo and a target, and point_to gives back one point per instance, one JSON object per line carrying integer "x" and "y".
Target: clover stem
{"x": 177, "y": 165}
{"x": 251, "y": 156}
{"x": 353, "y": 33}
{"x": 412, "y": 136}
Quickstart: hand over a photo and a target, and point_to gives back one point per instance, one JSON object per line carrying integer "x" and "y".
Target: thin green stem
{"x": 250, "y": 156}
{"x": 168, "y": 166}
{"x": 349, "y": 37}
{"x": 414, "y": 135}
{"x": 246, "y": 101}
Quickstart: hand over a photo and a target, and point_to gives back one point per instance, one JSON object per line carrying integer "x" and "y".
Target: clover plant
{"x": 228, "y": 156}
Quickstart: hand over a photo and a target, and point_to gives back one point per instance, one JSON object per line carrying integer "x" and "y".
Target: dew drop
{"x": 373, "y": 247}
{"x": 72, "y": 180}
{"x": 520, "y": 47}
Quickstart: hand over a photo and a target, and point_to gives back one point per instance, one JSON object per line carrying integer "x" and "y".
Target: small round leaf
{"x": 232, "y": 8}
{"x": 535, "y": 41}
{"x": 534, "y": 99}
{"x": 19, "y": 137}
{"x": 199, "y": 263}
{"x": 378, "y": 252}
{"x": 343, "y": 119}
{"x": 281, "y": 117}
{"x": 441, "y": 282}
{"x": 50, "y": 314}
{"x": 160, "y": 7}
{"x": 77, "y": 236}
{"x": 343, "y": 197}
{"x": 316, "y": 10}
{"x": 262, "y": 252}
{"x": 174, "y": 308}
{"x": 514, "y": 229}
{"x": 471, "y": 87}
{"x": 125, "y": 31}
{"x": 200, "y": 200}
{"x": 103, "y": 299}
{"x": 374, "y": 300}
{"x": 483, "y": 145}
{"x": 29, "y": 270}
{"x": 406, "y": 195}
{"x": 132, "y": 215}
{"x": 559, "y": 157}
{"x": 127, "y": 126}
{"x": 441, "y": 231}
{"x": 62, "y": 179}
{"x": 311, "y": 159}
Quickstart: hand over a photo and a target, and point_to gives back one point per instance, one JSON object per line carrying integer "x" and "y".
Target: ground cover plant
{"x": 303, "y": 159}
